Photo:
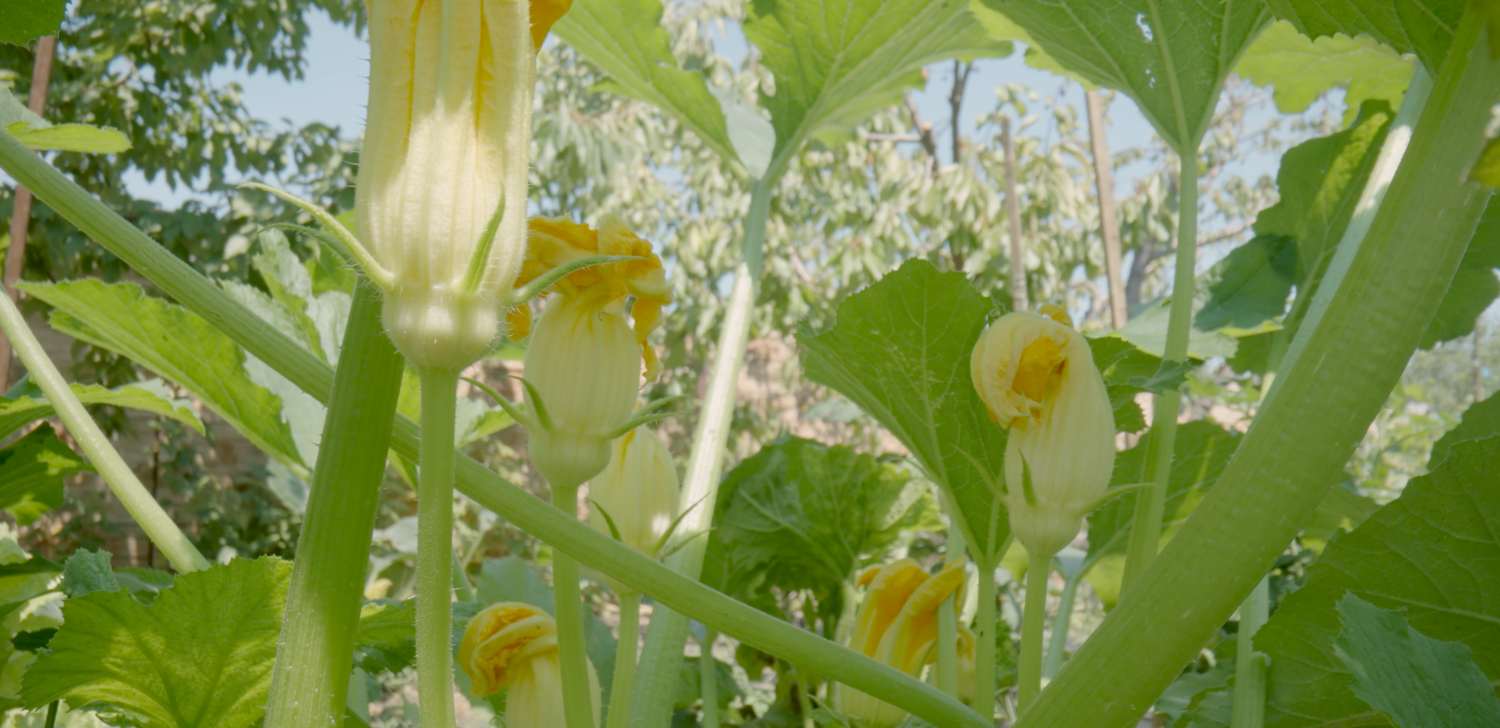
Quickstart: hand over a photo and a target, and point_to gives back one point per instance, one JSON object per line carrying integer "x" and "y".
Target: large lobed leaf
{"x": 624, "y": 38}
{"x": 900, "y": 350}
{"x": 175, "y": 343}
{"x": 836, "y": 62}
{"x": 29, "y": 405}
{"x": 1433, "y": 553}
{"x": 1171, "y": 57}
{"x": 1301, "y": 69}
{"x": 1423, "y": 27}
{"x": 802, "y": 515}
{"x": 199, "y": 656}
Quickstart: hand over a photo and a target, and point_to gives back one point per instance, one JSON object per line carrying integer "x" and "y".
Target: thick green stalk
{"x": 662, "y": 659}
{"x": 1062, "y": 624}
{"x": 986, "y": 621}
{"x": 567, "y": 608}
{"x": 1150, "y": 505}
{"x": 1249, "y": 665}
{"x": 1033, "y": 618}
{"x": 671, "y": 589}
{"x": 1366, "y": 320}
{"x": 309, "y": 685}
{"x": 148, "y": 514}
{"x": 435, "y": 548}
{"x": 708, "y": 679}
{"x": 622, "y": 687}
{"x": 947, "y": 647}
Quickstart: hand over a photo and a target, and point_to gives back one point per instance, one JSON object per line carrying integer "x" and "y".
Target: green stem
{"x": 567, "y": 601}
{"x": 673, "y": 590}
{"x": 804, "y": 699}
{"x": 1150, "y": 504}
{"x": 1062, "y": 624}
{"x": 984, "y": 650}
{"x": 435, "y": 548}
{"x": 947, "y": 647}
{"x": 708, "y": 679}
{"x": 1033, "y": 618}
{"x": 1366, "y": 320}
{"x": 1249, "y": 665}
{"x": 148, "y": 514}
{"x": 622, "y": 687}
{"x": 52, "y": 713}
{"x": 461, "y": 585}
{"x": 309, "y": 685}
{"x": 662, "y": 658}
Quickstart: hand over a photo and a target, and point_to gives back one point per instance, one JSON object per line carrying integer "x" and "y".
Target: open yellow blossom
{"x": 897, "y": 624}
{"x": 584, "y": 360}
{"x": 1037, "y": 376}
{"x": 445, "y": 154}
{"x": 513, "y": 646}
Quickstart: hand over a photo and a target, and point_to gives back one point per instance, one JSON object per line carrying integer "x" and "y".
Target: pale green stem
{"x": 947, "y": 647}
{"x": 671, "y": 589}
{"x": 622, "y": 687}
{"x": 567, "y": 601}
{"x": 1150, "y": 504}
{"x": 708, "y": 680}
{"x": 435, "y": 549}
{"x": 1367, "y": 318}
{"x": 148, "y": 514}
{"x": 1249, "y": 665}
{"x": 804, "y": 699}
{"x": 309, "y": 685}
{"x": 1062, "y": 624}
{"x": 1033, "y": 619}
{"x": 984, "y": 650}
{"x": 662, "y": 658}
{"x": 461, "y": 584}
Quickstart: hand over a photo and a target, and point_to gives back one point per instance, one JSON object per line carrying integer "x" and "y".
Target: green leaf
{"x": 1129, "y": 370}
{"x": 32, "y": 471}
{"x": 38, "y": 133}
{"x": 1170, "y": 57}
{"x": 1423, "y": 27}
{"x": 624, "y": 38}
{"x": 1487, "y": 169}
{"x": 1474, "y": 286}
{"x": 1413, "y": 678}
{"x": 1201, "y": 450}
{"x": 150, "y": 396}
{"x": 1480, "y": 421}
{"x": 1252, "y": 284}
{"x": 27, "y": 20}
{"x": 1300, "y": 70}
{"x": 386, "y": 640}
{"x": 1342, "y": 510}
{"x": 176, "y": 344}
{"x": 199, "y": 656}
{"x": 801, "y": 515}
{"x": 900, "y": 350}
{"x": 88, "y": 571}
{"x": 836, "y": 62}
{"x": 1434, "y": 552}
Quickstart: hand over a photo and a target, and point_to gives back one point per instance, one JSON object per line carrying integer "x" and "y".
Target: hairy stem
{"x": 1145, "y": 529}
{"x": 1033, "y": 618}
{"x": 309, "y": 685}
{"x": 984, "y": 651}
{"x": 435, "y": 548}
{"x": 1366, "y": 320}
{"x": 567, "y": 607}
{"x": 623, "y": 685}
{"x": 144, "y": 509}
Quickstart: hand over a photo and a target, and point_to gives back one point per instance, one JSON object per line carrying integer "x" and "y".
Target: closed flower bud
{"x": 513, "y": 646}
{"x": 445, "y": 150}
{"x": 1037, "y": 376}
{"x": 897, "y": 625}
{"x": 637, "y": 490}
{"x": 584, "y": 359}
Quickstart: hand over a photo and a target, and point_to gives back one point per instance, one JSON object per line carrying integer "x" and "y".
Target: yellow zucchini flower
{"x": 897, "y": 625}
{"x": 584, "y": 359}
{"x": 513, "y": 646}
{"x": 1037, "y": 376}
{"x": 638, "y": 491}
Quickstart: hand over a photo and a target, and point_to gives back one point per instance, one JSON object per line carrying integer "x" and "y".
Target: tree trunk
{"x": 1109, "y": 226}
{"x": 1018, "y": 296}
